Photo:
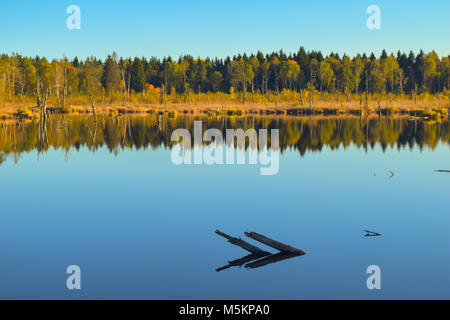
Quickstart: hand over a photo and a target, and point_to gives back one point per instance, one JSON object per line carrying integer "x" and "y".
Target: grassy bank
{"x": 425, "y": 109}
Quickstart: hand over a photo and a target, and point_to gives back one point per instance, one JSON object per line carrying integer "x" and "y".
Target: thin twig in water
{"x": 392, "y": 174}
{"x": 371, "y": 234}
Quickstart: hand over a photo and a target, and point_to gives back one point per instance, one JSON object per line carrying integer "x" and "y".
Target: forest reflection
{"x": 301, "y": 134}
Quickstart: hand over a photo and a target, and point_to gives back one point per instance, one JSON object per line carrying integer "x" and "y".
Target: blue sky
{"x": 220, "y": 28}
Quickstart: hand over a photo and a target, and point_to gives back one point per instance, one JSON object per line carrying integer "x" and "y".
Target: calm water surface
{"x": 106, "y": 196}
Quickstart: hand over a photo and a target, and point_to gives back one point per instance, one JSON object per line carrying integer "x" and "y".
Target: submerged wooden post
{"x": 274, "y": 244}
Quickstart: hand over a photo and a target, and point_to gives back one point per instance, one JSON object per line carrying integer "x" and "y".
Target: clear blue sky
{"x": 220, "y": 28}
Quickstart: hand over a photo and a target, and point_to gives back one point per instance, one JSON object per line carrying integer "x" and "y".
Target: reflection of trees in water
{"x": 302, "y": 134}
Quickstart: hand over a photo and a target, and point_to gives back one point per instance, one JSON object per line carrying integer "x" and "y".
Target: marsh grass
{"x": 425, "y": 106}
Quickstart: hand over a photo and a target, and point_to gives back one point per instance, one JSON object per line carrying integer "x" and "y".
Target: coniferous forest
{"x": 257, "y": 78}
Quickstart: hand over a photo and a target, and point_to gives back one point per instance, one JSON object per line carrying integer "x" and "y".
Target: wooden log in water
{"x": 274, "y": 244}
{"x": 241, "y": 243}
{"x": 443, "y": 171}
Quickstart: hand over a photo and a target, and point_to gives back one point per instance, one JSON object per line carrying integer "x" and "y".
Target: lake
{"x": 105, "y": 196}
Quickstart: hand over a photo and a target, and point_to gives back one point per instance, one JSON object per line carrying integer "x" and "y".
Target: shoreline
{"x": 30, "y": 111}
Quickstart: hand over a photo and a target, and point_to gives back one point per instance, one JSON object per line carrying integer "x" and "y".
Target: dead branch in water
{"x": 442, "y": 171}
{"x": 371, "y": 234}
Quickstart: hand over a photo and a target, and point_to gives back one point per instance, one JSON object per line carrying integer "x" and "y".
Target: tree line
{"x": 256, "y": 73}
